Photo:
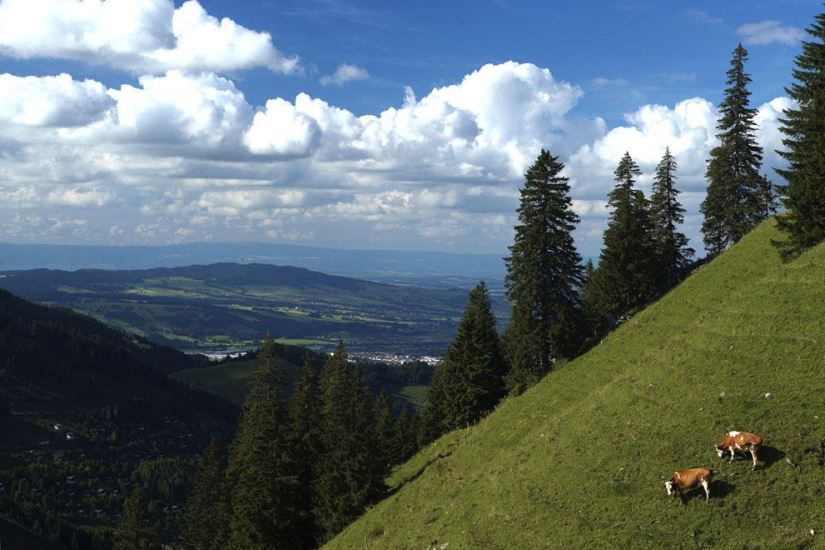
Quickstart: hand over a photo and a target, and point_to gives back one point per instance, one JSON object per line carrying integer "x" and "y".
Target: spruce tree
{"x": 406, "y": 435}
{"x": 261, "y": 474}
{"x": 543, "y": 276}
{"x": 348, "y": 473}
{"x": 474, "y": 368}
{"x": 626, "y": 275}
{"x": 594, "y": 302}
{"x": 205, "y": 519}
{"x": 803, "y": 223}
{"x": 672, "y": 249}
{"x": 386, "y": 429}
{"x": 136, "y": 529}
{"x": 302, "y": 413}
{"x": 738, "y": 196}
{"x": 433, "y": 414}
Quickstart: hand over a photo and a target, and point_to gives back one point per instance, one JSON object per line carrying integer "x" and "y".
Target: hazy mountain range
{"x": 430, "y": 269}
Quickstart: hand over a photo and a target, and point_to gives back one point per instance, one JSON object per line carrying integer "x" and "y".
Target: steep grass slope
{"x": 579, "y": 460}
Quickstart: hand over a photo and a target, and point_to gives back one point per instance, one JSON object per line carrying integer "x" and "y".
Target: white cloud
{"x": 345, "y": 73}
{"x": 768, "y": 32}
{"x": 703, "y": 17}
{"x": 145, "y": 37}
{"x": 605, "y": 82}
{"x": 79, "y": 196}
{"x": 184, "y": 156}
{"x": 281, "y": 130}
{"x": 54, "y": 101}
{"x": 203, "y": 112}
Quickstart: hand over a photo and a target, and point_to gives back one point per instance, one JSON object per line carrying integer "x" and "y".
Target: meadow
{"x": 579, "y": 460}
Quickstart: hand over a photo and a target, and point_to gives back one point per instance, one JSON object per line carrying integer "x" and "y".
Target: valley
{"x": 220, "y": 307}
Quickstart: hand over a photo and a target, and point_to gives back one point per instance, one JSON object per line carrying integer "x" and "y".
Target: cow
{"x": 740, "y": 441}
{"x": 685, "y": 480}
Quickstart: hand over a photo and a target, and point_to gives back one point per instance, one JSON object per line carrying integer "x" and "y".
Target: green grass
{"x": 579, "y": 460}
{"x": 230, "y": 380}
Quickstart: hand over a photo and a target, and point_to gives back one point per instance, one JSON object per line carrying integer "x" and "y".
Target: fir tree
{"x": 261, "y": 474}
{"x": 205, "y": 515}
{"x": 543, "y": 276}
{"x": 672, "y": 249}
{"x": 625, "y": 277}
{"x": 136, "y": 529}
{"x": 803, "y": 223}
{"x": 738, "y": 196}
{"x": 474, "y": 368}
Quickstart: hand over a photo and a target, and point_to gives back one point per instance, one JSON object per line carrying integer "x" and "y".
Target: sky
{"x": 360, "y": 124}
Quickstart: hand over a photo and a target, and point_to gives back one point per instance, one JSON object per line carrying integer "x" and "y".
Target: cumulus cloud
{"x": 345, "y": 73}
{"x": 54, "y": 101}
{"x": 184, "y": 156}
{"x": 146, "y": 37}
{"x": 769, "y": 32}
{"x": 282, "y": 130}
{"x": 204, "y": 112}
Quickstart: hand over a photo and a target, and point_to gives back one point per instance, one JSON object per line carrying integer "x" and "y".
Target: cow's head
{"x": 669, "y": 487}
{"x": 721, "y": 450}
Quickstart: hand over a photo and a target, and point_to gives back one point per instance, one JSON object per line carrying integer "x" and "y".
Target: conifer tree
{"x": 803, "y": 223}
{"x": 205, "y": 517}
{"x": 594, "y": 302}
{"x": 261, "y": 474}
{"x": 136, "y": 529}
{"x": 348, "y": 470}
{"x": 625, "y": 277}
{"x": 738, "y": 196}
{"x": 406, "y": 435}
{"x": 474, "y": 368}
{"x": 543, "y": 276}
{"x": 671, "y": 245}
{"x": 386, "y": 429}
{"x": 433, "y": 415}
{"x": 302, "y": 413}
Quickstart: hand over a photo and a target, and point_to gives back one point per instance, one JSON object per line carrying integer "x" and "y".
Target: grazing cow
{"x": 739, "y": 441}
{"x": 685, "y": 480}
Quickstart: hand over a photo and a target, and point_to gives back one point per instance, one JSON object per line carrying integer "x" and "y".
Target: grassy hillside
{"x": 579, "y": 460}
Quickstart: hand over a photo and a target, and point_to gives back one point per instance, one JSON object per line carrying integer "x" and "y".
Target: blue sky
{"x": 361, "y": 124}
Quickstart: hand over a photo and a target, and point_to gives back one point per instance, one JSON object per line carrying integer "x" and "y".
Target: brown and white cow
{"x": 740, "y": 441}
{"x": 685, "y": 480}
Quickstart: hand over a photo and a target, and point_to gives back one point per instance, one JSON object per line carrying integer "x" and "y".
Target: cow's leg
{"x": 706, "y": 486}
{"x": 753, "y": 454}
{"x": 732, "y": 454}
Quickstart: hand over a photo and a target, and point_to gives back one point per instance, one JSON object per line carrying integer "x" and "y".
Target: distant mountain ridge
{"x": 225, "y": 306}
{"x": 433, "y": 269}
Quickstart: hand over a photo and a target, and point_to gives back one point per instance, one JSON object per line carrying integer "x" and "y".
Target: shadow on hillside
{"x": 417, "y": 474}
{"x": 720, "y": 489}
{"x": 768, "y": 456}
